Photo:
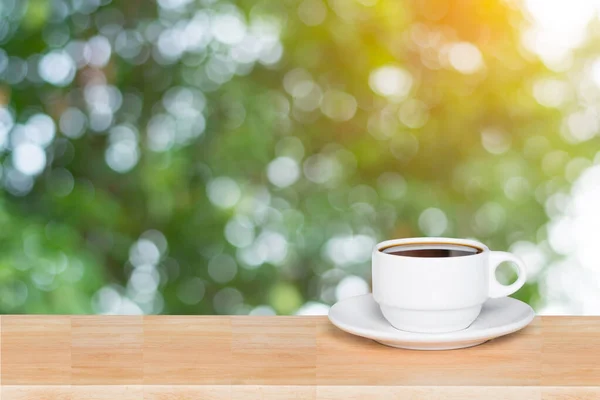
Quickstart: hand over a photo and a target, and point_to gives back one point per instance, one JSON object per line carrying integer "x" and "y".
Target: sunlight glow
{"x": 573, "y": 283}
{"x": 558, "y": 27}
{"x": 391, "y": 81}
{"x": 465, "y": 58}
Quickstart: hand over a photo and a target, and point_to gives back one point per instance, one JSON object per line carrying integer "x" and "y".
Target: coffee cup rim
{"x": 379, "y": 247}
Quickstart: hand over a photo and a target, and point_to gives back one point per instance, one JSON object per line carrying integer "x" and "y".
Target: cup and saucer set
{"x": 435, "y": 294}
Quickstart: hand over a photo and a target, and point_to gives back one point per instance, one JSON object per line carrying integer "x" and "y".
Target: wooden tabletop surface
{"x": 198, "y": 357}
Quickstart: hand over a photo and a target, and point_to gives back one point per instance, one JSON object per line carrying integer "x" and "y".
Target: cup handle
{"x": 496, "y": 288}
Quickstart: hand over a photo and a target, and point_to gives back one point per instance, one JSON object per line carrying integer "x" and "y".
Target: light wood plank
{"x": 344, "y": 359}
{"x": 187, "y": 392}
{"x": 274, "y": 350}
{"x": 187, "y": 350}
{"x": 10, "y": 392}
{"x": 36, "y": 350}
{"x": 570, "y": 393}
{"x": 427, "y": 392}
{"x": 73, "y": 392}
{"x": 0, "y": 357}
{"x": 262, "y": 392}
{"x": 160, "y": 358}
{"x": 107, "y": 350}
{"x": 571, "y": 351}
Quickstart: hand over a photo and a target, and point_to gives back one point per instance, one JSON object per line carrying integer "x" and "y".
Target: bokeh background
{"x": 213, "y": 157}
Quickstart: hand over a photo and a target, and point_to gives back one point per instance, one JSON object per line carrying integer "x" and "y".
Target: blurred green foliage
{"x": 213, "y": 157}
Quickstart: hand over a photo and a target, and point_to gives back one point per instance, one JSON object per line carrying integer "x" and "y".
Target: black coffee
{"x": 432, "y": 250}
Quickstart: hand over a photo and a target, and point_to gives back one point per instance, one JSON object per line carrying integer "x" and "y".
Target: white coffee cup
{"x": 438, "y": 294}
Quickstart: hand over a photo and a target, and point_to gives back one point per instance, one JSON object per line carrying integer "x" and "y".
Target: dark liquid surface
{"x": 429, "y": 250}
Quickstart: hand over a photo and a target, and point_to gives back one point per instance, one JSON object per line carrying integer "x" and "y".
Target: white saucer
{"x": 361, "y": 316}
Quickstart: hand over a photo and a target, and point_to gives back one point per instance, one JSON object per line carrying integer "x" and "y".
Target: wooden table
{"x": 160, "y": 358}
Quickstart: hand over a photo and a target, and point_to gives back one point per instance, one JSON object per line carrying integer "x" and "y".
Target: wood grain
{"x": 36, "y": 349}
{"x": 571, "y": 351}
{"x": 187, "y": 350}
{"x": 226, "y": 358}
{"x": 272, "y": 350}
{"x": 342, "y": 361}
{"x": 107, "y": 351}
{"x": 266, "y": 392}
